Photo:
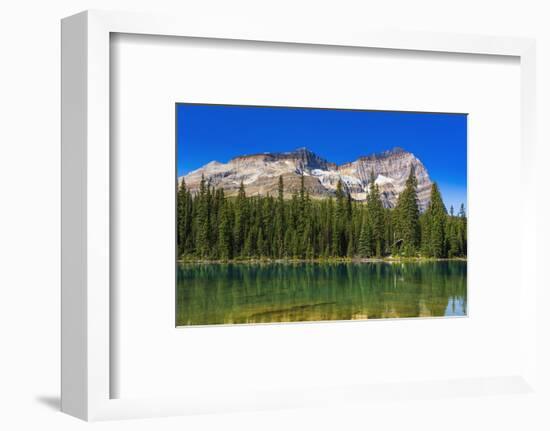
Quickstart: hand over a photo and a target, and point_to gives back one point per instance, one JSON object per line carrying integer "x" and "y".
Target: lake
{"x": 209, "y": 294}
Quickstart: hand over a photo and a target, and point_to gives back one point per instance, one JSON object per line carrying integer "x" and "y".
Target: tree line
{"x": 211, "y": 226}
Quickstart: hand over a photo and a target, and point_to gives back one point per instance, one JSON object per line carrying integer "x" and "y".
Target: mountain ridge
{"x": 260, "y": 173}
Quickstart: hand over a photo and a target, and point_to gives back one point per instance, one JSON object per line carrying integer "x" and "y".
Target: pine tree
{"x": 452, "y": 237}
{"x": 308, "y": 239}
{"x": 182, "y": 218}
{"x": 328, "y": 228}
{"x": 349, "y": 208}
{"x": 248, "y": 248}
{"x": 224, "y": 234}
{"x": 260, "y": 244}
{"x": 295, "y": 248}
{"x": 241, "y": 220}
{"x": 388, "y": 230}
{"x": 217, "y": 198}
{"x": 203, "y": 222}
{"x": 280, "y": 220}
{"x": 375, "y": 211}
{"x": 338, "y": 220}
{"x": 437, "y": 214}
{"x": 365, "y": 239}
{"x": 268, "y": 225}
{"x": 425, "y": 231}
{"x": 407, "y": 217}
{"x": 301, "y": 219}
{"x": 287, "y": 249}
{"x": 351, "y": 249}
{"x": 462, "y": 231}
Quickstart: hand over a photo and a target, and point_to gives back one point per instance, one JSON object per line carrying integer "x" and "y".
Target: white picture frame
{"x": 86, "y": 170}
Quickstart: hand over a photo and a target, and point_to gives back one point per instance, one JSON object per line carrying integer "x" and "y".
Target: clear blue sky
{"x": 221, "y": 132}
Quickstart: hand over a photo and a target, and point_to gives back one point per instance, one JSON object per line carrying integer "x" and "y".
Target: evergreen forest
{"x": 213, "y": 227}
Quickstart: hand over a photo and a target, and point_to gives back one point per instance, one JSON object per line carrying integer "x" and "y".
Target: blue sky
{"x": 221, "y": 132}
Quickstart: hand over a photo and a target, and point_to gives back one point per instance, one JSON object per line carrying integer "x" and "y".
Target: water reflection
{"x": 263, "y": 293}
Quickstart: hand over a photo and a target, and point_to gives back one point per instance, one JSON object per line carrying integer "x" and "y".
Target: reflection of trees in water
{"x": 256, "y": 293}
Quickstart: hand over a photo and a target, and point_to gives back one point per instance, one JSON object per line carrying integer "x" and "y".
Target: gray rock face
{"x": 260, "y": 175}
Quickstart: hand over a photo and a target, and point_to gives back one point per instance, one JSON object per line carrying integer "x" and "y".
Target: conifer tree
{"x": 365, "y": 239}
{"x": 183, "y": 218}
{"x": 224, "y": 235}
{"x": 241, "y": 219}
{"x": 463, "y": 231}
{"x": 301, "y": 219}
{"x": 338, "y": 219}
{"x": 389, "y": 230}
{"x": 349, "y": 207}
{"x": 267, "y": 225}
{"x": 437, "y": 215}
{"x": 287, "y": 250}
{"x": 425, "y": 231}
{"x": 280, "y": 219}
{"x": 407, "y": 217}
{"x": 375, "y": 213}
{"x": 452, "y": 238}
{"x": 203, "y": 224}
{"x": 260, "y": 244}
{"x": 248, "y": 247}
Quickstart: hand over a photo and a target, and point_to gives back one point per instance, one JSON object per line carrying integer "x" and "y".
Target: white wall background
{"x": 30, "y": 200}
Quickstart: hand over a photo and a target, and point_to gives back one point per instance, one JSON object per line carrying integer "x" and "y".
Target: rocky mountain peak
{"x": 260, "y": 174}
{"x": 307, "y": 160}
{"x": 396, "y": 151}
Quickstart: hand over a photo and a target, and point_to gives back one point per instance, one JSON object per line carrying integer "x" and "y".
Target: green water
{"x": 210, "y": 294}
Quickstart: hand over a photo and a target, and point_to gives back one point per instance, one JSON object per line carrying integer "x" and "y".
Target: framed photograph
{"x": 314, "y": 214}
{"x": 261, "y": 218}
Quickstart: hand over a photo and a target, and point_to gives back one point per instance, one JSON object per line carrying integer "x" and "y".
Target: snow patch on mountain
{"x": 381, "y": 180}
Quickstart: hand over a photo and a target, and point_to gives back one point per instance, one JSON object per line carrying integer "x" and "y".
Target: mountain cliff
{"x": 260, "y": 175}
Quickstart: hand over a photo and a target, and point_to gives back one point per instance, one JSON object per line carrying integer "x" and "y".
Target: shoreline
{"x": 324, "y": 260}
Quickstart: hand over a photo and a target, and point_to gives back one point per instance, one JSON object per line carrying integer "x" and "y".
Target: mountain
{"x": 260, "y": 175}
